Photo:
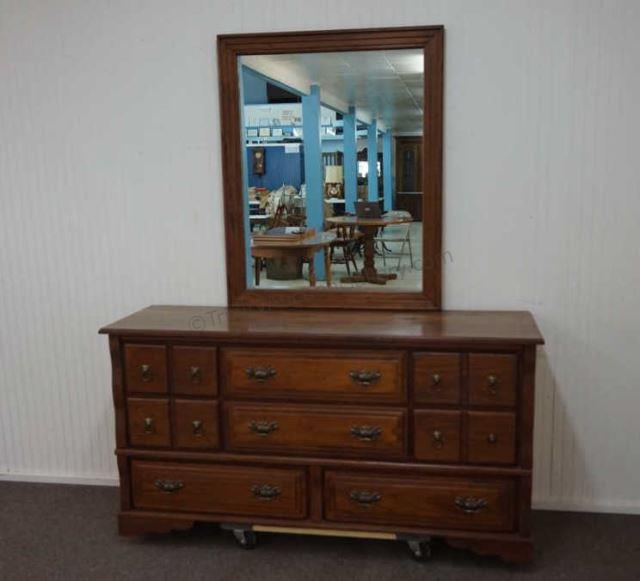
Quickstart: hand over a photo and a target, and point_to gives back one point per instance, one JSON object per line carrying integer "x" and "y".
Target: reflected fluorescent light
{"x": 416, "y": 63}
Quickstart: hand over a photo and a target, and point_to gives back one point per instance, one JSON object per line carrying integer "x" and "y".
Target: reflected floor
{"x": 409, "y": 278}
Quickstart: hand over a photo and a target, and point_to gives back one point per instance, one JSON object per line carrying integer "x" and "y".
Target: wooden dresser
{"x": 402, "y": 425}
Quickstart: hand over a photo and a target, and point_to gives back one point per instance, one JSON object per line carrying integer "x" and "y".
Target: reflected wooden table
{"x": 305, "y": 248}
{"x": 369, "y": 227}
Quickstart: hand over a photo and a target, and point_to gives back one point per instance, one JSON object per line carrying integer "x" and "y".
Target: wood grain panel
{"x": 429, "y": 501}
{"x": 219, "y": 489}
{"x": 333, "y": 430}
{"x": 363, "y": 376}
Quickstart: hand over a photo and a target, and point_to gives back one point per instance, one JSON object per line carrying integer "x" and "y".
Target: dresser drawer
{"x": 437, "y": 435}
{"x": 491, "y": 438}
{"x": 195, "y": 371}
{"x": 492, "y": 379}
{"x": 196, "y": 424}
{"x": 219, "y": 489}
{"x": 430, "y": 501}
{"x": 338, "y": 431}
{"x": 145, "y": 368}
{"x": 436, "y": 378}
{"x": 148, "y": 422}
{"x": 362, "y": 376}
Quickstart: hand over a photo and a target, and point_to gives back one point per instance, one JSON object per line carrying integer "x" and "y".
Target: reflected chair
{"x": 348, "y": 238}
{"x": 395, "y": 234}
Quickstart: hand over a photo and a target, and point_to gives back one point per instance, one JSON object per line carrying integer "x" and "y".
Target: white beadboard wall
{"x": 110, "y": 200}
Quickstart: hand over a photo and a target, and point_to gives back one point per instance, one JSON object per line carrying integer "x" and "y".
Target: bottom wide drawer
{"x": 423, "y": 501}
{"x": 219, "y": 489}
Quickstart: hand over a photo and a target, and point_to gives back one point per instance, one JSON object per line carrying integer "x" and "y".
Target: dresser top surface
{"x": 497, "y": 327}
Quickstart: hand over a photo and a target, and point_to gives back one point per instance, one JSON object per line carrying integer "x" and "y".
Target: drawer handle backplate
{"x": 149, "y": 426}
{"x": 365, "y": 497}
{"x": 195, "y": 374}
{"x": 168, "y": 486}
{"x": 366, "y": 433}
{"x": 146, "y": 374}
{"x": 438, "y": 439}
{"x": 198, "y": 427}
{"x": 492, "y": 439}
{"x": 262, "y": 427}
{"x": 492, "y": 384}
{"x": 266, "y": 491}
{"x": 365, "y": 377}
{"x": 470, "y": 504}
{"x": 260, "y": 374}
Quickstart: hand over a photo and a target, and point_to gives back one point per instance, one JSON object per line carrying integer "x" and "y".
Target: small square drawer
{"x": 195, "y": 371}
{"x": 145, "y": 368}
{"x": 437, "y": 435}
{"x": 196, "y": 424}
{"x": 436, "y": 378}
{"x": 149, "y": 422}
{"x": 492, "y": 379}
{"x": 491, "y": 438}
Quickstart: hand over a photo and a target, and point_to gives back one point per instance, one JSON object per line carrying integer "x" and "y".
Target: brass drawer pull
{"x": 198, "y": 428}
{"x": 470, "y": 504}
{"x": 260, "y": 374}
{"x": 364, "y": 377}
{"x": 146, "y": 374}
{"x": 438, "y": 439}
{"x": 263, "y": 428}
{"x": 492, "y": 439}
{"x": 365, "y": 497}
{"x": 168, "y": 486}
{"x": 266, "y": 492}
{"x": 436, "y": 382}
{"x": 149, "y": 426}
{"x": 195, "y": 374}
{"x": 366, "y": 433}
{"x": 492, "y": 382}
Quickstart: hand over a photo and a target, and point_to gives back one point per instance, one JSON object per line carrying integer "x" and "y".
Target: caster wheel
{"x": 246, "y": 539}
{"x": 421, "y": 550}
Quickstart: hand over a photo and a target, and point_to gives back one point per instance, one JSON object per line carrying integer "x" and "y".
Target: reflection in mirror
{"x": 332, "y": 155}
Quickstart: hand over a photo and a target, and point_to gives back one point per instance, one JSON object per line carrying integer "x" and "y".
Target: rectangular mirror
{"x": 333, "y": 192}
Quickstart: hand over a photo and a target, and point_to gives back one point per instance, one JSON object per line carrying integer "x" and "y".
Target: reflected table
{"x": 303, "y": 249}
{"x": 369, "y": 227}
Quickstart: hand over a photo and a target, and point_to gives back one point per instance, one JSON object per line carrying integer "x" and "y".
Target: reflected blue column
{"x": 246, "y": 224}
{"x": 372, "y": 158}
{"x": 313, "y": 168}
{"x": 387, "y": 176}
{"x": 349, "y": 128}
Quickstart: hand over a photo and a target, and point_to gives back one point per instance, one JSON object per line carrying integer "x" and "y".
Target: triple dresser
{"x": 407, "y": 425}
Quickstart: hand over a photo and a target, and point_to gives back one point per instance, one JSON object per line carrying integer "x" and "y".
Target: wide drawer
{"x": 311, "y": 429}
{"x": 364, "y": 376}
{"x": 219, "y": 489}
{"x": 422, "y": 501}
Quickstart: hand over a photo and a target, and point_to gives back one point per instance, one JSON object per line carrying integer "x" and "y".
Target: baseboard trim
{"x": 580, "y": 505}
{"x": 59, "y": 479}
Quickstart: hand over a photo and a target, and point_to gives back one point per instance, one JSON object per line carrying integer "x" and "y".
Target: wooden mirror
{"x": 332, "y": 167}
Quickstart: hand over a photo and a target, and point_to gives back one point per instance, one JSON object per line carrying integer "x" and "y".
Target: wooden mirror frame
{"x": 232, "y": 46}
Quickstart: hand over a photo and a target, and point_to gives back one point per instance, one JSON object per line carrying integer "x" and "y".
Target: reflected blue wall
{"x": 280, "y": 168}
{"x": 254, "y": 88}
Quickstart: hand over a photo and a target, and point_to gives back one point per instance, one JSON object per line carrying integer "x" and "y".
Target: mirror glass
{"x": 332, "y": 169}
